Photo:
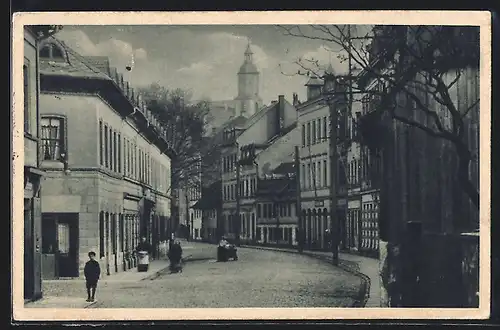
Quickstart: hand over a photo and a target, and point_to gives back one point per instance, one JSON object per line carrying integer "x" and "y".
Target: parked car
{"x": 226, "y": 251}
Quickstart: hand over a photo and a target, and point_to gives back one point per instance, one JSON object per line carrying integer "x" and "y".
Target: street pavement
{"x": 258, "y": 279}
{"x": 368, "y": 267}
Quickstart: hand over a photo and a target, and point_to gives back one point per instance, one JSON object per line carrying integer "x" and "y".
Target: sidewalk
{"x": 366, "y": 268}
{"x": 59, "y": 293}
{"x": 66, "y": 293}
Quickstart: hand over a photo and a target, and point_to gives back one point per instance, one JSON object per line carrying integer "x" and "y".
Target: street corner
{"x": 60, "y": 302}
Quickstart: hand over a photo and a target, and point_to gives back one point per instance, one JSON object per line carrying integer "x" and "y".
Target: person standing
{"x": 143, "y": 245}
{"x": 92, "y": 272}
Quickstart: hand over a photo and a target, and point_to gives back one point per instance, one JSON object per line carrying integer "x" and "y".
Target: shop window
{"x": 53, "y": 138}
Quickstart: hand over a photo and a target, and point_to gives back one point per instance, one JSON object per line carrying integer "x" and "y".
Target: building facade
{"x": 210, "y": 205}
{"x": 361, "y": 169}
{"x": 276, "y": 201}
{"x": 425, "y": 215}
{"x": 107, "y": 161}
{"x": 32, "y": 172}
{"x": 314, "y": 151}
{"x": 251, "y": 150}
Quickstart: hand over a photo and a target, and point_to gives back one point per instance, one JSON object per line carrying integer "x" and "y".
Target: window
{"x": 27, "y": 96}
{"x": 63, "y": 237}
{"x": 122, "y": 232}
{"x": 308, "y": 133}
{"x": 313, "y": 132}
{"x": 115, "y": 151}
{"x": 303, "y": 135}
{"x": 119, "y": 153}
{"x": 52, "y": 138}
{"x": 106, "y": 147}
{"x": 259, "y": 210}
{"x": 325, "y": 128}
{"x": 140, "y": 165}
{"x": 51, "y": 51}
{"x": 309, "y": 177}
{"x": 101, "y": 141}
{"x": 325, "y": 171}
{"x": 320, "y": 173}
{"x": 318, "y": 131}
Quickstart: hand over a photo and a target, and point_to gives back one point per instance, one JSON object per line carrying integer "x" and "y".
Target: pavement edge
{"x": 364, "y": 291}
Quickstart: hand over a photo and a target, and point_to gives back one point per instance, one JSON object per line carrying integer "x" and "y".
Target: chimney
{"x": 295, "y": 99}
{"x": 281, "y": 101}
{"x": 280, "y": 112}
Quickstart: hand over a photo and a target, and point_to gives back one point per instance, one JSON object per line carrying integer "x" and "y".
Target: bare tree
{"x": 45, "y": 31}
{"x": 424, "y": 64}
{"x": 185, "y": 121}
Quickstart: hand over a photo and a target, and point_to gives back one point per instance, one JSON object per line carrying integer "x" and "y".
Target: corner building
{"x": 107, "y": 163}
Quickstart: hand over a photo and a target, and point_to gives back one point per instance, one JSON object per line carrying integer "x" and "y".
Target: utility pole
{"x": 330, "y": 88}
{"x": 298, "y": 206}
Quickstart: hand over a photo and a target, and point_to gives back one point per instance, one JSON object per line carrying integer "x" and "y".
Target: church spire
{"x": 248, "y": 52}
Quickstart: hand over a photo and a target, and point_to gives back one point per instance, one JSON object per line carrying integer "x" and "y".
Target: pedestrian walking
{"x": 92, "y": 272}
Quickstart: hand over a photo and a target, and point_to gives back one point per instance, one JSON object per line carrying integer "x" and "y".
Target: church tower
{"x": 248, "y": 100}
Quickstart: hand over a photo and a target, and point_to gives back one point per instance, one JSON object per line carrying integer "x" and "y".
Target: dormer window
{"x": 52, "y": 52}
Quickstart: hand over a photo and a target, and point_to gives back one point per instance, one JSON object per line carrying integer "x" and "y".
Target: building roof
{"x": 236, "y": 122}
{"x": 276, "y": 187}
{"x": 74, "y": 64}
{"x": 285, "y": 168}
{"x": 314, "y": 81}
{"x": 210, "y": 197}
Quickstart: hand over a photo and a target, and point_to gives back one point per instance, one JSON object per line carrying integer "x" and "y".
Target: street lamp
{"x": 329, "y": 88}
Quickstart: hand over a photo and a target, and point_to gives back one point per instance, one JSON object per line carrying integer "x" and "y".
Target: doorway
{"x": 67, "y": 236}
{"x": 61, "y": 240}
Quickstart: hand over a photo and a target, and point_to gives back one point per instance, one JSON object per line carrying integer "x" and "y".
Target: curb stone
{"x": 364, "y": 291}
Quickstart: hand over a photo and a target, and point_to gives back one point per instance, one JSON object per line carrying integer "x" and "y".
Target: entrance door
{"x": 67, "y": 235}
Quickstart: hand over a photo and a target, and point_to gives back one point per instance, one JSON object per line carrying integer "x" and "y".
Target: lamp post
{"x": 329, "y": 91}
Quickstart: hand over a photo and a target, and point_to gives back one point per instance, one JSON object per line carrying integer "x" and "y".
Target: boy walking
{"x": 92, "y": 272}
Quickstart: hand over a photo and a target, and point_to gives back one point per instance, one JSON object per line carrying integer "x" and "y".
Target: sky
{"x": 203, "y": 59}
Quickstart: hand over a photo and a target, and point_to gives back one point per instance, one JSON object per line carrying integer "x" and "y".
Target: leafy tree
{"x": 185, "y": 121}
{"x": 417, "y": 65}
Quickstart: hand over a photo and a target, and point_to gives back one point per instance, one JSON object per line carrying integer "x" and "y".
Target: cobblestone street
{"x": 258, "y": 279}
